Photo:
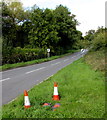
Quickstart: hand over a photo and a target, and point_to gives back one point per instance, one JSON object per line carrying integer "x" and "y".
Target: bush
{"x": 99, "y": 41}
{"x": 22, "y": 55}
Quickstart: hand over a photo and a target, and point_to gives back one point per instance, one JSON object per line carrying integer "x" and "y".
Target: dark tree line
{"x": 37, "y": 29}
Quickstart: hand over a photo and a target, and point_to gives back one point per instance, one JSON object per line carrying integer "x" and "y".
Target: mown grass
{"x": 82, "y": 95}
{"x": 21, "y": 64}
{"x": 0, "y": 113}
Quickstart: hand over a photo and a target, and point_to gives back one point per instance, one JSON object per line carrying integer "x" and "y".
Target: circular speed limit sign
{"x": 48, "y": 50}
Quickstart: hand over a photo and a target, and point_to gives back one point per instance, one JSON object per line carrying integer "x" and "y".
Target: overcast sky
{"x": 90, "y": 13}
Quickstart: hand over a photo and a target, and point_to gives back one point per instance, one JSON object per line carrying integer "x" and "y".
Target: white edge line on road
{"x": 35, "y": 70}
{"x": 4, "y": 79}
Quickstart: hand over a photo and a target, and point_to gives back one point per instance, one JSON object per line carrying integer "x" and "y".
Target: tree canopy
{"x": 43, "y": 28}
{"x": 35, "y": 28}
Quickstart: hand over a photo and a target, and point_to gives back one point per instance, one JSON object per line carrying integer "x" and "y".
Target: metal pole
{"x": 48, "y": 54}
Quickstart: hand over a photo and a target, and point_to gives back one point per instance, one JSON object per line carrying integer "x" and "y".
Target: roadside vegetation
{"x": 97, "y": 54}
{"x": 82, "y": 95}
{"x": 22, "y": 64}
{"x": 28, "y": 33}
{"x": 97, "y": 60}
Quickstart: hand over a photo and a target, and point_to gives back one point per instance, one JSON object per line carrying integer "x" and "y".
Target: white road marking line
{"x": 56, "y": 63}
{"x": 66, "y": 60}
{"x": 4, "y": 79}
{"x": 35, "y": 70}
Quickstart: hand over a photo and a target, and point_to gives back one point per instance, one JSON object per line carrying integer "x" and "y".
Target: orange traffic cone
{"x": 55, "y": 96}
{"x": 26, "y": 100}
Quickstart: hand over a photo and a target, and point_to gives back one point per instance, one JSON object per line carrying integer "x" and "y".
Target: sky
{"x": 89, "y": 13}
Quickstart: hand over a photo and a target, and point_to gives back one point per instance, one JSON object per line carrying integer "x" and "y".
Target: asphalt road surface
{"x": 15, "y": 81}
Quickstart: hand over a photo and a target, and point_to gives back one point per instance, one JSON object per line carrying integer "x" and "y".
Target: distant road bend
{"x": 15, "y": 81}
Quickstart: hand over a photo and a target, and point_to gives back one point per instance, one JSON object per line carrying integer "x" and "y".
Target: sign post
{"x": 48, "y": 52}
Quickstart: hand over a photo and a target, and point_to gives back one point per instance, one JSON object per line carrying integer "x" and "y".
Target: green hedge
{"x": 22, "y": 55}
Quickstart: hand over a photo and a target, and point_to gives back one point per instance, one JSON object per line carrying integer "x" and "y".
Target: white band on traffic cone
{"x": 55, "y": 90}
{"x": 27, "y": 102}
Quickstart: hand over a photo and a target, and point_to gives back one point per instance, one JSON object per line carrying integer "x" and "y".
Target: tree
{"x": 55, "y": 29}
{"x": 11, "y": 16}
{"x": 90, "y": 35}
{"x": 96, "y": 38}
{"x": 99, "y": 39}
{"x": 66, "y": 27}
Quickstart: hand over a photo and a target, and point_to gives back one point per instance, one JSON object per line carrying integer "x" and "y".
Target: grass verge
{"x": 96, "y": 59}
{"x": 21, "y": 64}
{"x": 82, "y": 95}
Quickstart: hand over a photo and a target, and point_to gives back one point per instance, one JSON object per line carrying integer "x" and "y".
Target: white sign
{"x": 48, "y": 50}
{"x": 82, "y": 50}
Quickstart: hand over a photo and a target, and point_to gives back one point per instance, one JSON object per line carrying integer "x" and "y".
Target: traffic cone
{"x": 56, "y": 106}
{"x": 56, "y": 96}
{"x": 46, "y": 104}
{"x": 26, "y": 100}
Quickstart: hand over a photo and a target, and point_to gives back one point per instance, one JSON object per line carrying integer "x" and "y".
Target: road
{"x": 15, "y": 81}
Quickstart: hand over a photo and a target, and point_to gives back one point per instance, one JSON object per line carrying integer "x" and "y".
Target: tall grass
{"x": 96, "y": 59}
